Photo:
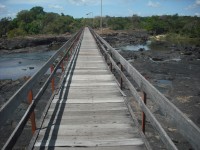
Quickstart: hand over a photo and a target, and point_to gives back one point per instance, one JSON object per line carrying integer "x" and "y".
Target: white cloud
{"x": 84, "y": 2}
{"x": 2, "y": 6}
{"x": 153, "y": 4}
{"x": 4, "y": 12}
{"x": 3, "y": 9}
{"x": 56, "y": 7}
{"x": 197, "y": 14}
{"x": 193, "y": 6}
{"x": 58, "y": 2}
{"x": 197, "y": 2}
{"x": 35, "y": 2}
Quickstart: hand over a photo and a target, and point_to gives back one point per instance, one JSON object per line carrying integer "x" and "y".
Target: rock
{"x": 22, "y": 42}
{"x": 157, "y": 59}
{"x": 187, "y": 53}
{"x": 175, "y": 141}
{"x": 172, "y": 129}
{"x": 141, "y": 49}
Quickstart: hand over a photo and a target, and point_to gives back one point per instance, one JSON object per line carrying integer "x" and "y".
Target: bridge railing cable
{"x": 7, "y": 109}
{"x": 183, "y": 124}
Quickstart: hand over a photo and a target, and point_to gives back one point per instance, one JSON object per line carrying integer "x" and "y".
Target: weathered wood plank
{"x": 141, "y": 147}
{"x": 89, "y": 100}
{"x": 88, "y": 97}
{"x": 81, "y": 107}
{"x": 185, "y": 125}
{"x": 92, "y": 143}
{"x": 89, "y": 137}
{"x": 89, "y": 110}
{"x": 84, "y": 113}
{"x": 89, "y": 131}
{"x": 91, "y": 120}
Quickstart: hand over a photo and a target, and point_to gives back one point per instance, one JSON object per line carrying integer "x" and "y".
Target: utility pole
{"x": 101, "y": 18}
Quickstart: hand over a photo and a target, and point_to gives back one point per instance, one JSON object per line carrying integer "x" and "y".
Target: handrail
{"x": 62, "y": 80}
{"x": 6, "y": 111}
{"x": 185, "y": 126}
{"x": 17, "y": 131}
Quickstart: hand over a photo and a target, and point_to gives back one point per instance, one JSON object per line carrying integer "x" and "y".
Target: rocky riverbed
{"x": 8, "y": 87}
{"x": 175, "y": 71}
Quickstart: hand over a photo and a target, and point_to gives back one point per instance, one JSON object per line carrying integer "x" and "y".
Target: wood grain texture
{"x": 88, "y": 111}
{"x": 185, "y": 125}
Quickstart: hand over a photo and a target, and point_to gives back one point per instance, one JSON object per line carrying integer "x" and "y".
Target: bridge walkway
{"x": 89, "y": 112}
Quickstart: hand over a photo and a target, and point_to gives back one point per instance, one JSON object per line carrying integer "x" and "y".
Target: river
{"x": 18, "y": 65}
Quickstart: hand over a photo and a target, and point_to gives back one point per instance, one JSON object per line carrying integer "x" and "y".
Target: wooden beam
{"x": 185, "y": 125}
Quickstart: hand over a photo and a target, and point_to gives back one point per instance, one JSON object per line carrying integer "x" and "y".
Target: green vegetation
{"x": 36, "y": 21}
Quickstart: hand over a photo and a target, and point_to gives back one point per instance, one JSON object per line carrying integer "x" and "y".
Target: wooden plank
{"x": 88, "y": 131}
{"x": 92, "y": 143}
{"x": 89, "y": 137}
{"x": 91, "y": 100}
{"x": 100, "y": 87}
{"x": 79, "y": 83}
{"x": 112, "y": 117}
{"x": 109, "y": 118}
{"x": 88, "y": 95}
{"x": 91, "y": 120}
{"x": 185, "y": 125}
{"x": 133, "y": 147}
{"x": 92, "y": 126}
{"x": 84, "y": 113}
{"x": 87, "y": 92}
{"x": 89, "y": 110}
{"x": 85, "y": 109}
{"x": 103, "y": 106}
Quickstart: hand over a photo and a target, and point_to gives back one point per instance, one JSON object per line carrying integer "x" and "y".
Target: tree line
{"x": 37, "y": 21}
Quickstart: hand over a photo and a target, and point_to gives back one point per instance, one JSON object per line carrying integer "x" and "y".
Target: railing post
{"x": 121, "y": 80}
{"x": 52, "y": 81}
{"x": 105, "y": 57}
{"x": 66, "y": 58}
{"x": 111, "y": 63}
{"x": 62, "y": 66}
{"x": 32, "y": 116}
{"x": 143, "y": 114}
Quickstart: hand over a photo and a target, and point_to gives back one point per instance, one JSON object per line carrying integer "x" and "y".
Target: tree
{"x": 4, "y": 26}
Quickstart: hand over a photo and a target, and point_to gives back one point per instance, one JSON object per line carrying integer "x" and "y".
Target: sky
{"x": 90, "y": 8}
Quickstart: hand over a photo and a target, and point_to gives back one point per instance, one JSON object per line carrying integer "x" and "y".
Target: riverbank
{"x": 173, "y": 67}
{"x": 177, "y": 77}
{"x": 174, "y": 70}
{"x": 27, "y": 43}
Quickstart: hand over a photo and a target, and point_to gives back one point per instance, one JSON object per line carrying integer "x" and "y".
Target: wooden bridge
{"x": 88, "y": 110}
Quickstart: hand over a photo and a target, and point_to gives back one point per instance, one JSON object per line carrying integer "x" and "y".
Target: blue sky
{"x": 79, "y": 8}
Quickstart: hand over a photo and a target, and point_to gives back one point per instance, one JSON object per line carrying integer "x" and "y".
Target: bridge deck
{"x": 89, "y": 112}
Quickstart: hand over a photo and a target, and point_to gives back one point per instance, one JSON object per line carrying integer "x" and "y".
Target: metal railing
{"x": 7, "y": 109}
{"x": 185, "y": 126}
